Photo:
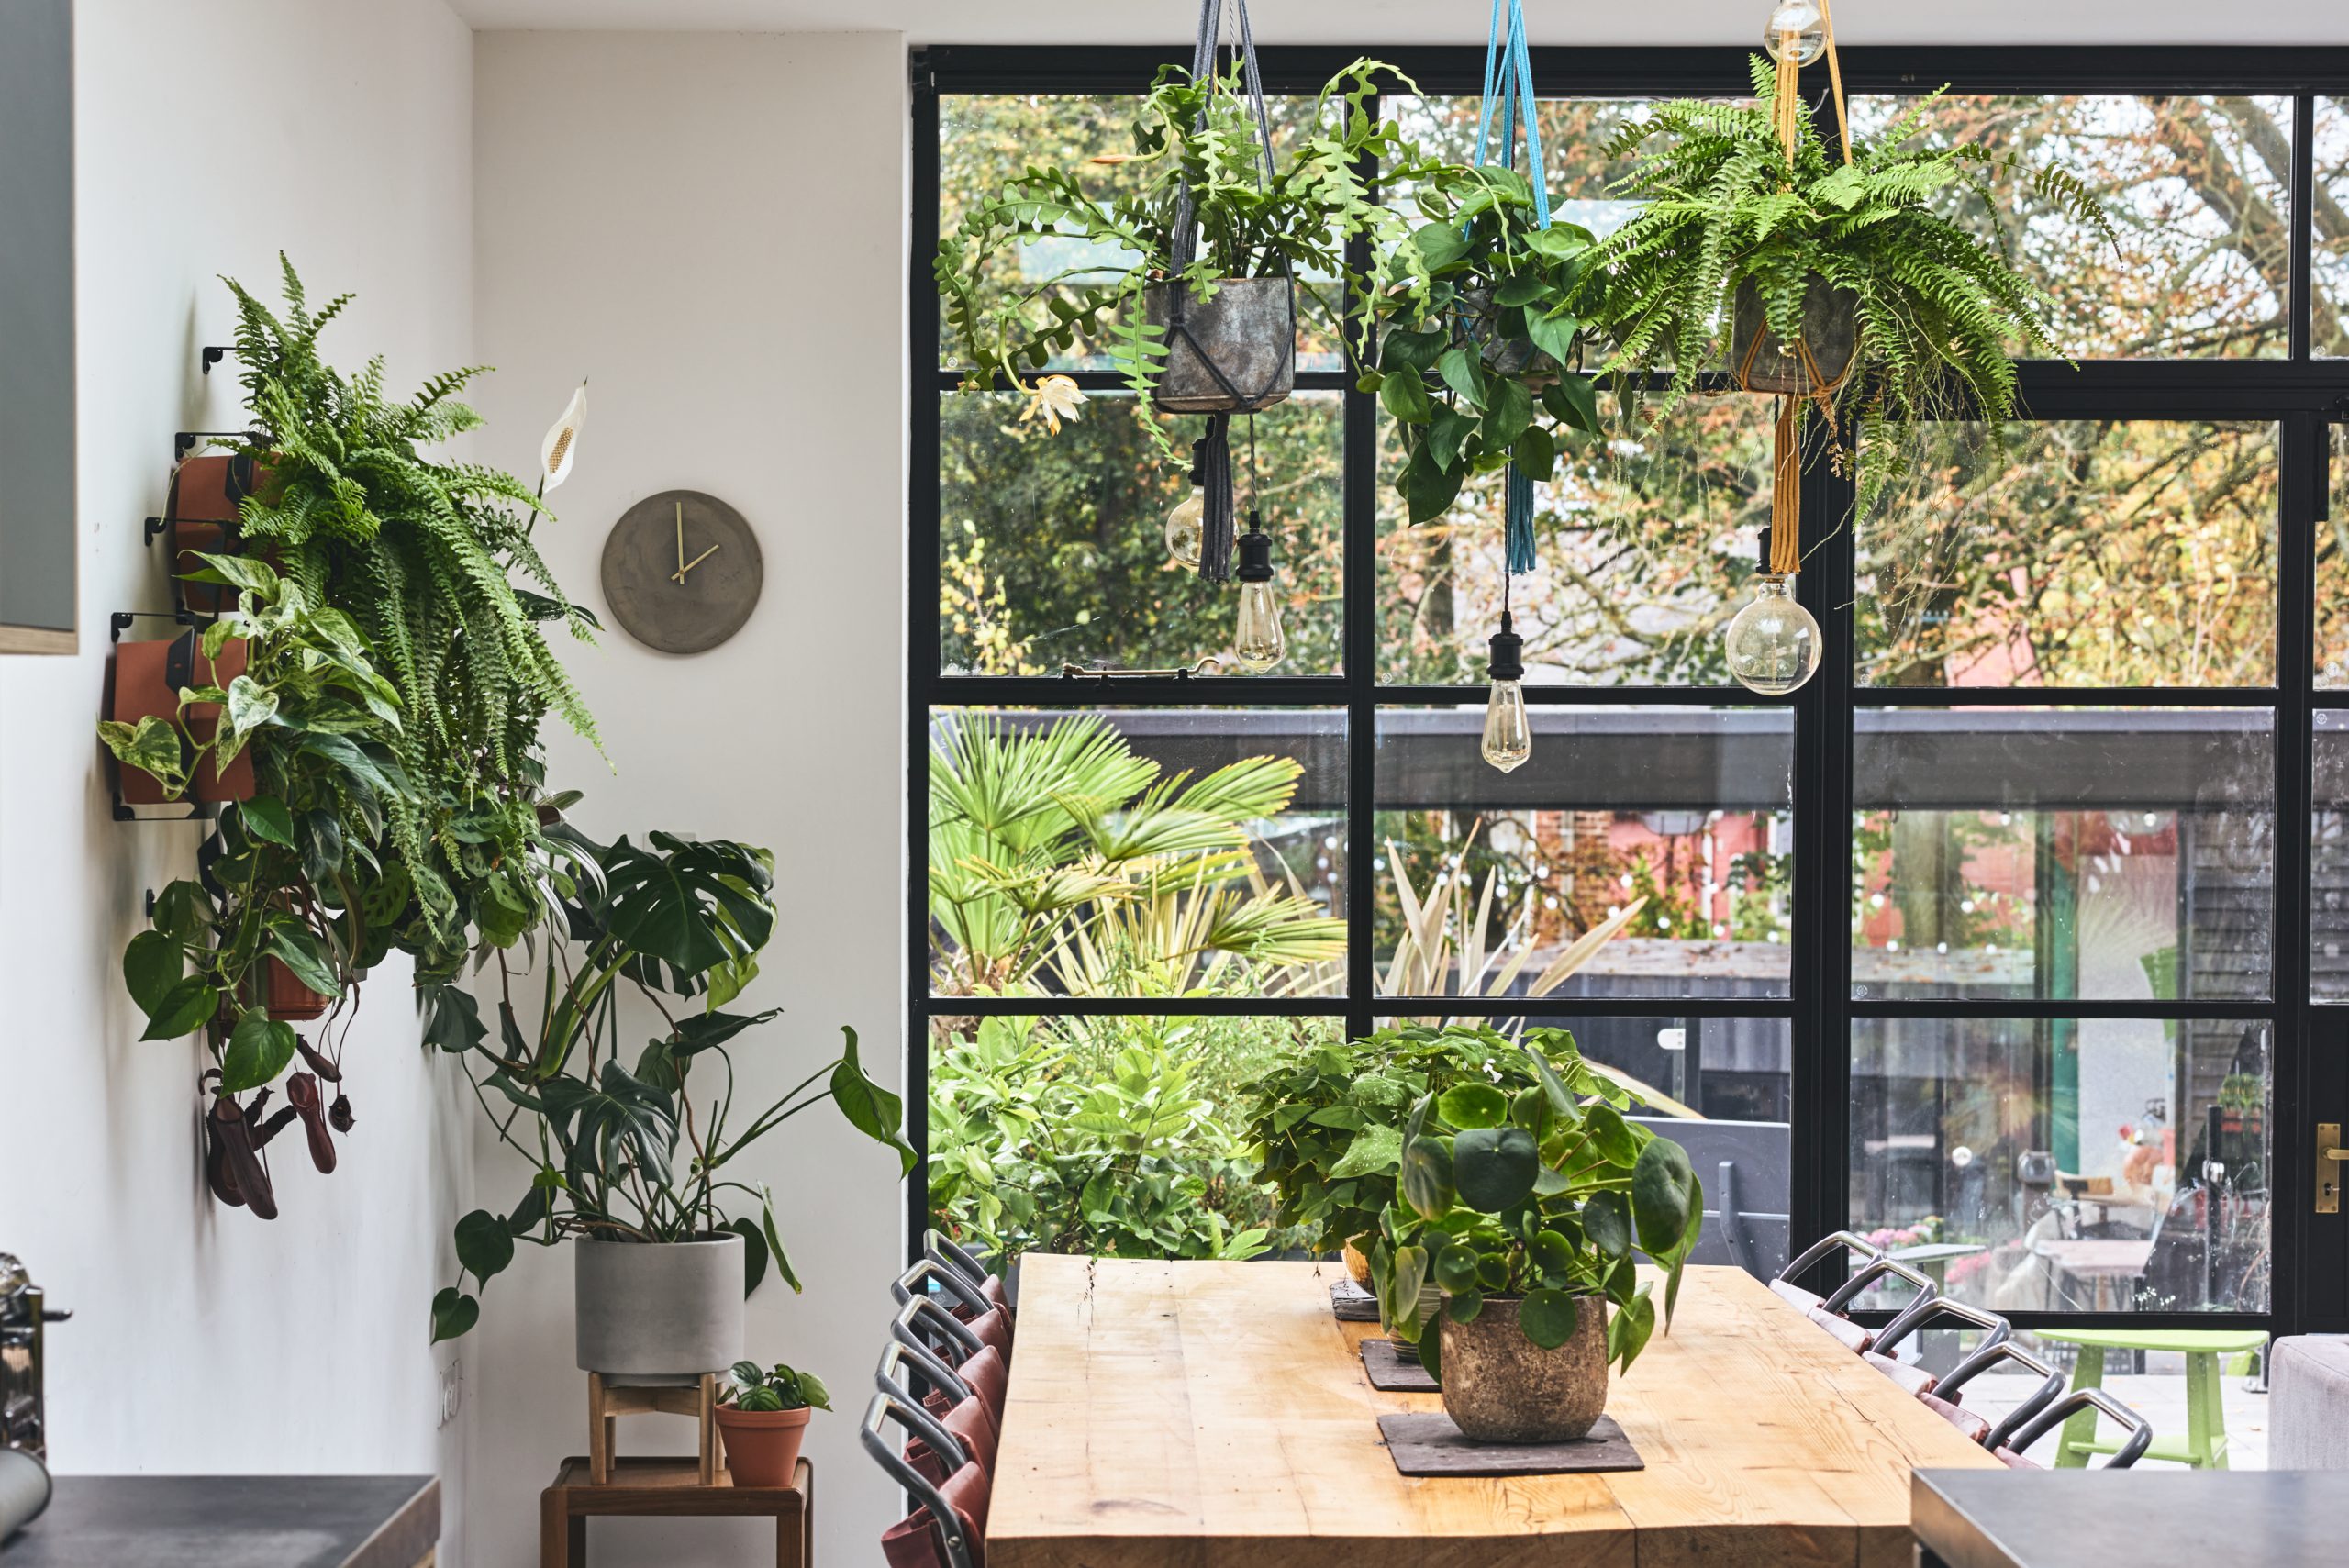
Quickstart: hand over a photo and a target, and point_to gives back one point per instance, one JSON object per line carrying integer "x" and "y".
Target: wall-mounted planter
{"x": 146, "y": 683}
{"x": 200, "y": 516}
{"x": 287, "y": 999}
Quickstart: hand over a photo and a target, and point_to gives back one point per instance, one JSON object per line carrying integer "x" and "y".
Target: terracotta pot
{"x": 1247, "y": 333}
{"x": 146, "y": 683}
{"x": 1831, "y": 331}
{"x": 1501, "y": 1387}
{"x": 763, "y": 1446}
{"x": 200, "y": 514}
{"x": 287, "y": 998}
{"x": 1357, "y": 1265}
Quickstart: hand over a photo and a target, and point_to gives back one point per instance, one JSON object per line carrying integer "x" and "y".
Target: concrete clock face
{"x": 681, "y": 572}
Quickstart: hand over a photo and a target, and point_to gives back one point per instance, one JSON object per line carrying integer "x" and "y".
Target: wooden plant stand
{"x": 607, "y": 1402}
{"x": 670, "y": 1488}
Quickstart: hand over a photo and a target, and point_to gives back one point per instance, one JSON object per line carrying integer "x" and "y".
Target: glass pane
{"x": 1052, "y": 547}
{"x": 1122, "y": 853}
{"x": 2330, "y": 337}
{"x": 1721, "y": 1088}
{"x": 2196, "y": 187}
{"x": 2068, "y": 1164}
{"x": 1645, "y": 542}
{"x": 1575, "y": 133}
{"x": 2329, "y": 861}
{"x": 2080, "y": 553}
{"x": 2332, "y": 574}
{"x": 1120, "y": 1137}
{"x": 1642, "y": 851}
{"x": 984, "y": 139}
{"x": 2114, "y": 853}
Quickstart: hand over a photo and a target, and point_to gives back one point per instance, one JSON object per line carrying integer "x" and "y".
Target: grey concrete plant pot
{"x": 660, "y": 1309}
{"x": 1501, "y": 1387}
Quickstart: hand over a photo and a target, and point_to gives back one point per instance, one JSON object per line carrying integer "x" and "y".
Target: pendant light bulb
{"x": 1773, "y": 644}
{"x": 1796, "y": 26}
{"x": 1258, "y": 642}
{"x": 1508, "y": 735}
{"x": 1187, "y": 524}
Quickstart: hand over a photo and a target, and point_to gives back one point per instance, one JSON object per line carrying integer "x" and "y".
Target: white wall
{"x": 711, "y": 227}
{"x": 203, "y": 1339}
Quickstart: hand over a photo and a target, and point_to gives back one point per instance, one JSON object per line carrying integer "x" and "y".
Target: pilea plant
{"x": 1297, "y": 222}
{"x": 1478, "y": 358}
{"x": 622, "y": 1151}
{"x": 1726, "y": 209}
{"x": 779, "y": 1387}
{"x": 1541, "y": 1197}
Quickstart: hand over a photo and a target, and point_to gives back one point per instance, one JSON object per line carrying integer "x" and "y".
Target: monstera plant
{"x": 627, "y": 1144}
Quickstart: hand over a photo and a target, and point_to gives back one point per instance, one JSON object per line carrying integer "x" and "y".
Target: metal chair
{"x": 928, "y": 1272}
{"x": 1827, "y": 1311}
{"x": 926, "y": 1326}
{"x": 1916, "y": 1379}
{"x": 1943, "y": 1397}
{"x": 2140, "y": 1438}
{"x": 947, "y": 1252}
{"x": 1812, "y": 1256}
{"x": 952, "y": 1512}
{"x": 952, "y": 1403}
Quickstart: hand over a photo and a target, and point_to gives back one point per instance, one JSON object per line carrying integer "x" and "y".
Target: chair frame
{"x": 913, "y": 1417}
{"x": 2051, "y": 1384}
{"x": 950, "y": 1329}
{"x": 925, "y": 1272}
{"x": 947, "y": 1254}
{"x": 1925, "y": 1308}
{"x": 2132, "y": 1447}
{"x": 930, "y": 1371}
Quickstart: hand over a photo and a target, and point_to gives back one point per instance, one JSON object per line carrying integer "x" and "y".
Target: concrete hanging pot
{"x": 1817, "y": 362}
{"x": 1501, "y": 1387}
{"x": 658, "y": 1312}
{"x": 1233, "y": 353}
{"x": 146, "y": 683}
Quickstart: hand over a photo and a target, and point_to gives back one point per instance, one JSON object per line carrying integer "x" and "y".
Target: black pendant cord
{"x": 1215, "y": 530}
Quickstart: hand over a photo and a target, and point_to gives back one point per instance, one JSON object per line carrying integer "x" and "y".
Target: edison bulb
{"x": 1258, "y": 643}
{"x": 1796, "y": 24}
{"x": 1773, "y": 644}
{"x": 1508, "y": 738}
{"x": 1186, "y": 526}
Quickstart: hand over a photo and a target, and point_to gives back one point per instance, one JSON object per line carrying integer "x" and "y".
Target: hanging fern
{"x": 420, "y": 553}
{"x": 1939, "y": 309}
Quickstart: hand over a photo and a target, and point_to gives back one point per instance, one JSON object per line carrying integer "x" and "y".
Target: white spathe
{"x": 560, "y": 449}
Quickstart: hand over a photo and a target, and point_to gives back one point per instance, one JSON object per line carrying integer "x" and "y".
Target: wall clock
{"x": 681, "y": 570}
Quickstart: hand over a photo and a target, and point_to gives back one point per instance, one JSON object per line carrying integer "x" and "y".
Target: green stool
{"x": 2205, "y": 1446}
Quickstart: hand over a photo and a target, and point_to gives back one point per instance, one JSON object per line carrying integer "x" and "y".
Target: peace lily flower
{"x": 1053, "y": 399}
{"x": 561, "y": 442}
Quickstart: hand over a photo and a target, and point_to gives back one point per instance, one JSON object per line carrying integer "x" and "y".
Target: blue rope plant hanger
{"x": 1509, "y": 89}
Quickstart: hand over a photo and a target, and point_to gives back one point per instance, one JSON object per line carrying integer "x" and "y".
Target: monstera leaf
{"x": 695, "y": 906}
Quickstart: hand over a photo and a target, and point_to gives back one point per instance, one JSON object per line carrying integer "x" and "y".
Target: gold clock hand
{"x": 680, "y": 538}
{"x": 697, "y": 561}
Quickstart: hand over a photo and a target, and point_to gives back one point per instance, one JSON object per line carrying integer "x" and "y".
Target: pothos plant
{"x": 1725, "y": 207}
{"x": 1536, "y": 1201}
{"x": 622, "y": 1149}
{"x": 293, "y": 874}
{"x": 1479, "y": 356}
{"x": 1295, "y": 222}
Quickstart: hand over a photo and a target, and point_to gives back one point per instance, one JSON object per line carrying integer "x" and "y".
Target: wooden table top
{"x": 1214, "y": 1415}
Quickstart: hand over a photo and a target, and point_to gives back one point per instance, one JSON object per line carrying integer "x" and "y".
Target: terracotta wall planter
{"x": 146, "y": 682}
{"x": 763, "y": 1446}
{"x": 1501, "y": 1387}
{"x": 201, "y": 514}
{"x": 287, "y": 998}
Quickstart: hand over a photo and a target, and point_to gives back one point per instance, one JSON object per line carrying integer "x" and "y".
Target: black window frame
{"x": 2302, "y": 394}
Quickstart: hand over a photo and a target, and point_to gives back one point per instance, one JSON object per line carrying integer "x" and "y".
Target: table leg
{"x": 2080, "y": 1430}
{"x": 562, "y": 1540}
{"x": 2205, "y": 1420}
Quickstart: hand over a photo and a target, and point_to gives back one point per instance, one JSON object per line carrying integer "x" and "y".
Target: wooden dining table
{"x": 1212, "y": 1415}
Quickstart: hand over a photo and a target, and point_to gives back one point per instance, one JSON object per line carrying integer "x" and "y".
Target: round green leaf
{"x": 1530, "y": 1110}
{"x": 1548, "y": 1317}
{"x": 1467, "y": 1105}
{"x": 1611, "y": 1137}
{"x": 1427, "y": 1177}
{"x": 1552, "y": 1252}
{"x": 1494, "y": 1167}
{"x": 1461, "y": 1307}
{"x": 1455, "y": 1269}
{"x": 1661, "y": 1183}
{"x": 1607, "y": 1220}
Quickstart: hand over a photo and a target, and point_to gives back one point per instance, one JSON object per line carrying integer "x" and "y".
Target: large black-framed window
{"x": 2215, "y": 776}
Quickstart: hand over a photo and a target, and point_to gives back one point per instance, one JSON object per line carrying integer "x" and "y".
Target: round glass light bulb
{"x": 1508, "y": 738}
{"x": 1773, "y": 644}
{"x": 1796, "y": 24}
{"x": 1258, "y": 642}
{"x": 1186, "y": 527}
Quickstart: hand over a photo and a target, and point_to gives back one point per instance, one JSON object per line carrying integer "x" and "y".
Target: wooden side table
{"x": 670, "y": 1488}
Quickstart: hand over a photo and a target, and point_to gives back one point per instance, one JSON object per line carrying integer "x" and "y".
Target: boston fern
{"x": 417, "y": 550}
{"x": 1725, "y": 208}
{"x": 1296, "y": 223}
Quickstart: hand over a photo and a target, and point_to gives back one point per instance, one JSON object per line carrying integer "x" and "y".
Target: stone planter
{"x": 658, "y": 1312}
{"x": 1501, "y": 1387}
{"x": 1830, "y": 328}
{"x": 1241, "y": 352}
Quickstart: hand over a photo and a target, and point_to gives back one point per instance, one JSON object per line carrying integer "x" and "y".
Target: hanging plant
{"x": 1738, "y": 226}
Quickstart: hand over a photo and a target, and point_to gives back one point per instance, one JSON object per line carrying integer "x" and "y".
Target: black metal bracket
{"x": 184, "y": 441}
{"x": 155, "y": 526}
{"x": 213, "y": 353}
{"x": 119, "y": 622}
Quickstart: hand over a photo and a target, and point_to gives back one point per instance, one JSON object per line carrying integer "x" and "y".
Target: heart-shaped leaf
{"x": 1471, "y": 1105}
{"x": 453, "y": 1313}
{"x": 259, "y": 1049}
{"x": 484, "y": 1244}
{"x": 151, "y": 965}
{"x": 1662, "y": 1185}
{"x": 1494, "y": 1167}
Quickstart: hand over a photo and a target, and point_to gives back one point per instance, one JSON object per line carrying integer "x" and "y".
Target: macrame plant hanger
{"x": 1508, "y": 87}
{"x": 1217, "y": 531}
{"x": 1786, "y": 483}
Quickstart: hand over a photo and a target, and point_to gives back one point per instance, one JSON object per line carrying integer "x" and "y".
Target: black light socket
{"x": 1507, "y": 662}
{"x": 1255, "y": 552}
{"x": 1199, "y": 463}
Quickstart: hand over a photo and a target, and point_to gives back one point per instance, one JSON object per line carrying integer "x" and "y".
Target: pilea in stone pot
{"x": 1517, "y": 1224}
{"x": 629, "y": 1163}
{"x": 1479, "y": 344}
{"x": 764, "y": 1418}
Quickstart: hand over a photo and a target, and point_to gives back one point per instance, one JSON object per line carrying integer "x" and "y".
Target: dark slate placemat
{"x": 1352, "y": 1304}
{"x": 1431, "y": 1445}
{"x": 1391, "y": 1372}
